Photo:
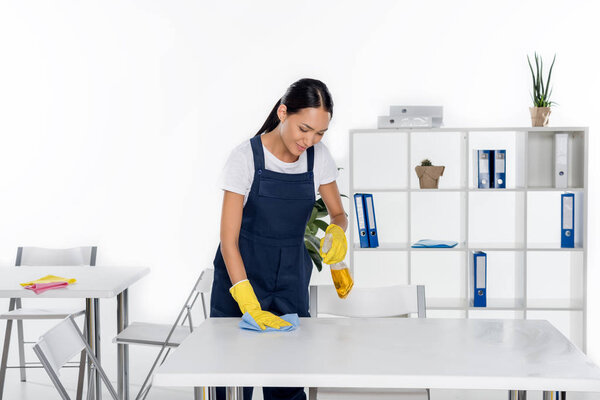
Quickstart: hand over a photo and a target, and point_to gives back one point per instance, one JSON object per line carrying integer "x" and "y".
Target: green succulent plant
{"x": 540, "y": 95}
{"x": 316, "y": 223}
{"x": 426, "y": 163}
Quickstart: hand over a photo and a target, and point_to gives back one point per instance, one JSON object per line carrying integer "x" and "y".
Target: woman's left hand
{"x": 339, "y": 245}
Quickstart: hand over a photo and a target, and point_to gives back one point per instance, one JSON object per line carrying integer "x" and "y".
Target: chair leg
{"x": 22, "y": 369}
{"x": 198, "y": 393}
{"x": 82, "y": 366}
{"x": 81, "y": 375}
{"x": 5, "y": 348}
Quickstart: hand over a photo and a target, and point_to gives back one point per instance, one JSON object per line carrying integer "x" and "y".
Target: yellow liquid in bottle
{"x": 343, "y": 281}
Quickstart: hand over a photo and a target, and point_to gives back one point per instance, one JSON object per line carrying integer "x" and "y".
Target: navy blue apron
{"x": 271, "y": 244}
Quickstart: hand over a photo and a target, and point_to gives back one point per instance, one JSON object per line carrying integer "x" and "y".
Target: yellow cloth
{"x": 50, "y": 279}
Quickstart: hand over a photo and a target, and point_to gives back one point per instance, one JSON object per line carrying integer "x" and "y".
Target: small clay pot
{"x": 429, "y": 176}
{"x": 539, "y": 115}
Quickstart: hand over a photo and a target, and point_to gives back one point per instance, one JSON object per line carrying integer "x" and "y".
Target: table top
{"x": 383, "y": 353}
{"x": 92, "y": 282}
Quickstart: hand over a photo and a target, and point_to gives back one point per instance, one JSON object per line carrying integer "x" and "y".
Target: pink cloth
{"x": 42, "y": 287}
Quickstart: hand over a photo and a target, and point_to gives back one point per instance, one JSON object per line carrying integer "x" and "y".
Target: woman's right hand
{"x": 243, "y": 293}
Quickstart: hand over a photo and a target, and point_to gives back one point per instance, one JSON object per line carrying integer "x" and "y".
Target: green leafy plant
{"x": 315, "y": 223}
{"x": 426, "y": 163}
{"x": 540, "y": 94}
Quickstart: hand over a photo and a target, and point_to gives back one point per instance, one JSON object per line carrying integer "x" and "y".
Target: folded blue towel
{"x": 434, "y": 243}
{"x": 248, "y": 323}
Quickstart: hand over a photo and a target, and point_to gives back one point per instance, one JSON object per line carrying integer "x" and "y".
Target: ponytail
{"x": 272, "y": 120}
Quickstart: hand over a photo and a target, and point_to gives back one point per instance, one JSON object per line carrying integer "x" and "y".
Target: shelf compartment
{"x": 569, "y": 323}
{"x": 554, "y": 278}
{"x": 383, "y": 247}
{"x": 505, "y": 286}
{"x": 449, "y": 151}
{"x": 511, "y": 141}
{"x": 443, "y": 313}
{"x": 380, "y": 160}
{"x": 540, "y": 155}
{"x": 497, "y": 218}
{"x": 447, "y": 303}
{"x": 490, "y": 313}
{"x": 391, "y": 216}
{"x": 500, "y": 304}
{"x": 443, "y": 274}
{"x": 376, "y": 269}
{"x": 544, "y": 219}
{"x": 438, "y": 216}
{"x": 490, "y": 246}
{"x": 555, "y": 304}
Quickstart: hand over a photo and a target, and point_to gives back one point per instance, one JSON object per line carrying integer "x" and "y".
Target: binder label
{"x": 370, "y": 211}
{"x": 361, "y": 217}
{"x": 480, "y": 274}
{"x": 500, "y": 163}
{"x": 484, "y": 164}
{"x": 567, "y": 213}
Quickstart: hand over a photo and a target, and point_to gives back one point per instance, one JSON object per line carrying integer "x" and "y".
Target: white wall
{"x": 117, "y": 116}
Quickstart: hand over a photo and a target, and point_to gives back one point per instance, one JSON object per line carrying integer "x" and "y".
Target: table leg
{"x": 123, "y": 349}
{"x": 234, "y": 393}
{"x": 5, "y": 349}
{"x": 97, "y": 347}
{"x": 517, "y": 395}
{"x": 90, "y": 328}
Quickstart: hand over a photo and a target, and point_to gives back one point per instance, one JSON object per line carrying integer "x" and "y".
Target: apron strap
{"x": 310, "y": 159}
{"x": 257, "y": 153}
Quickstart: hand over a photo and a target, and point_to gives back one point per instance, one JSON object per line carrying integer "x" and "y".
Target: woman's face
{"x": 303, "y": 129}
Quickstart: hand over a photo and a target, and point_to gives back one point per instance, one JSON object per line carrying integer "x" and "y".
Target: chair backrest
{"x": 32, "y": 256}
{"x": 59, "y": 345}
{"x": 204, "y": 284}
{"x": 365, "y": 302}
{"x": 202, "y": 287}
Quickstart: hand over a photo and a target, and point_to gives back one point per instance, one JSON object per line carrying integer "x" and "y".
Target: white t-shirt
{"x": 238, "y": 174}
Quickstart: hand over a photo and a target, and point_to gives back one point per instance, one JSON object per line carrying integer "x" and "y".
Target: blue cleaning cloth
{"x": 434, "y": 243}
{"x": 248, "y": 323}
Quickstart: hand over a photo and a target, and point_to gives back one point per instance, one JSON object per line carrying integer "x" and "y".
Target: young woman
{"x": 270, "y": 183}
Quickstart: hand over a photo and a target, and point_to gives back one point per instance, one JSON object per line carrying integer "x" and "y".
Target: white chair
{"x": 60, "y": 344}
{"x": 389, "y": 301}
{"x": 168, "y": 336}
{"x": 38, "y": 256}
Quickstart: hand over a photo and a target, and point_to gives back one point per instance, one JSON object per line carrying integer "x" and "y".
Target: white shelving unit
{"x": 529, "y": 275}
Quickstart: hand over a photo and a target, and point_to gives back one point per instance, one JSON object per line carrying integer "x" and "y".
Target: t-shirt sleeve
{"x": 330, "y": 171}
{"x": 236, "y": 176}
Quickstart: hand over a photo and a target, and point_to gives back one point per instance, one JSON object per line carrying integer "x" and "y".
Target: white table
{"x": 514, "y": 355}
{"x": 93, "y": 283}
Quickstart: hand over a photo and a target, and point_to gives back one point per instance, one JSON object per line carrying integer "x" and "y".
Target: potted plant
{"x": 429, "y": 175}
{"x": 540, "y": 112}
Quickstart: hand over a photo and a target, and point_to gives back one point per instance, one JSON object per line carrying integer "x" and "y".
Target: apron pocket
{"x": 286, "y": 190}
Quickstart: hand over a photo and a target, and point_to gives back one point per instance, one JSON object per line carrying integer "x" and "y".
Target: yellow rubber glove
{"x": 339, "y": 245}
{"x": 243, "y": 293}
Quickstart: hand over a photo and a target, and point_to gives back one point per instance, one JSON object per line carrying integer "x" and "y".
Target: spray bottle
{"x": 341, "y": 275}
